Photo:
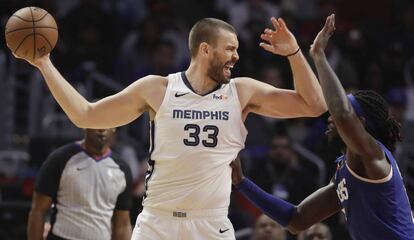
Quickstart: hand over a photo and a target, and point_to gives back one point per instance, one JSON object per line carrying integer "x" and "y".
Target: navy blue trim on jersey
{"x": 152, "y": 132}
{"x": 151, "y": 163}
{"x": 187, "y": 83}
{"x": 150, "y": 171}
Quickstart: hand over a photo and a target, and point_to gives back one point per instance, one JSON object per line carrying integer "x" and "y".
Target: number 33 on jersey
{"x": 194, "y": 136}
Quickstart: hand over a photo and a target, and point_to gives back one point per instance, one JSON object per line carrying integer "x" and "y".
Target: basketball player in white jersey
{"x": 196, "y": 125}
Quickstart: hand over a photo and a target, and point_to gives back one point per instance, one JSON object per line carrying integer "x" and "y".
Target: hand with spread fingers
{"x": 321, "y": 40}
{"x": 279, "y": 41}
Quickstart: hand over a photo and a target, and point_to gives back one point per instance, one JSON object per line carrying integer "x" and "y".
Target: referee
{"x": 89, "y": 188}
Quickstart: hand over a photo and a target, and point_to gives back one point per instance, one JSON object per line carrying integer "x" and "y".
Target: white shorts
{"x": 155, "y": 224}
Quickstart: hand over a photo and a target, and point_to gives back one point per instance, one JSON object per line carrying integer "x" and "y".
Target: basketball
{"x": 31, "y": 32}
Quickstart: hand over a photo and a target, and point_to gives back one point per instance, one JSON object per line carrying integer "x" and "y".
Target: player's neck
{"x": 199, "y": 79}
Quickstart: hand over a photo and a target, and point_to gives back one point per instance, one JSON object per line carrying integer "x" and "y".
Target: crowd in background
{"x": 105, "y": 45}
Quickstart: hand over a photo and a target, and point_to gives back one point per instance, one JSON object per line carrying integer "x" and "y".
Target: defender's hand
{"x": 280, "y": 40}
{"x": 237, "y": 172}
{"x": 321, "y": 40}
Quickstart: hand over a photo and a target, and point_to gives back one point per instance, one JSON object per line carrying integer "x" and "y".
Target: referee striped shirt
{"x": 85, "y": 192}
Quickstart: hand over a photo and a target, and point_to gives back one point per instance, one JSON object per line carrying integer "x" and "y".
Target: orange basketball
{"x": 31, "y": 32}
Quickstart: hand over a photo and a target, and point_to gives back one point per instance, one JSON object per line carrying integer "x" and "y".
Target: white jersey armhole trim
{"x": 170, "y": 79}
{"x": 236, "y": 95}
{"x": 382, "y": 180}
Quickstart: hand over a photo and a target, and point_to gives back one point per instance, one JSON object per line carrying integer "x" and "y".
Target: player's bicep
{"x": 281, "y": 103}
{"x": 118, "y": 109}
{"x": 267, "y": 100}
{"x": 316, "y": 207}
{"x": 113, "y": 111}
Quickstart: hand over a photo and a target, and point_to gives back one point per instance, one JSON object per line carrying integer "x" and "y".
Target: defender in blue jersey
{"x": 367, "y": 185}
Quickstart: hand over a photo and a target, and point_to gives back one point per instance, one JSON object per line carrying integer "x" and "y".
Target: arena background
{"x": 105, "y": 45}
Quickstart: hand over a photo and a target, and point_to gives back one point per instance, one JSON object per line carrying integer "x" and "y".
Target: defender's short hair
{"x": 206, "y": 30}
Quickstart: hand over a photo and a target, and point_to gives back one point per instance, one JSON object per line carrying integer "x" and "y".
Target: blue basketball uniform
{"x": 374, "y": 209}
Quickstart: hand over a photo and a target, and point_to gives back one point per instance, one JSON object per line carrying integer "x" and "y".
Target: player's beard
{"x": 216, "y": 71}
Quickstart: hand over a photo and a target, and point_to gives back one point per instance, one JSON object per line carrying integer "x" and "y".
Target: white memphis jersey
{"x": 194, "y": 138}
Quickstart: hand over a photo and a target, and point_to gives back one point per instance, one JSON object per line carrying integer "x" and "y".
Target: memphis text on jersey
{"x": 196, "y": 114}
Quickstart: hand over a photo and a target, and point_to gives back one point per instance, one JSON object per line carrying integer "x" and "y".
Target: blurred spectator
{"x": 260, "y": 131}
{"x": 297, "y": 129}
{"x": 406, "y": 150}
{"x": 250, "y": 17}
{"x": 161, "y": 61}
{"x": 178, "y": 35}
{"x": 319, "y": 231}
{"x": 355, "y": 47}
{"x": 91, "y": 34}
{"x": 282, "y": 173}
{"x": 392, "y": 61}
{"x": 136, "y": 49}
{"x": 406, "y": 31}
{"x": 296, "y": 8}
{"x": 261, "y": 128}
{"x": 347, "y": 10}
{"x": 409, "y": 83}
{"x": 373, "y": 78}
{"x": 272, "y": 74}
{"x": 129, "y": 12}
{"x": 342, "y": 66}
{"x": 397, "y": 99}
{"x": 267, "y": 229}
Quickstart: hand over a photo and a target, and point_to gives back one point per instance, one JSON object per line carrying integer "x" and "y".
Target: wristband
{"x": 289, "y": 55}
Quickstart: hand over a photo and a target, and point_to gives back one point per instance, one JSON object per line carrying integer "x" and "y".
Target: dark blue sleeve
{"x": 276, "y": 208}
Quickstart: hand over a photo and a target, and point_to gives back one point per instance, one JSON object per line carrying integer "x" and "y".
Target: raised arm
{"x": 305, "y": 100}
{"x": 112, "y": 111}
{"x": 315, "y": 208}
{"x": 349, "y": 125}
